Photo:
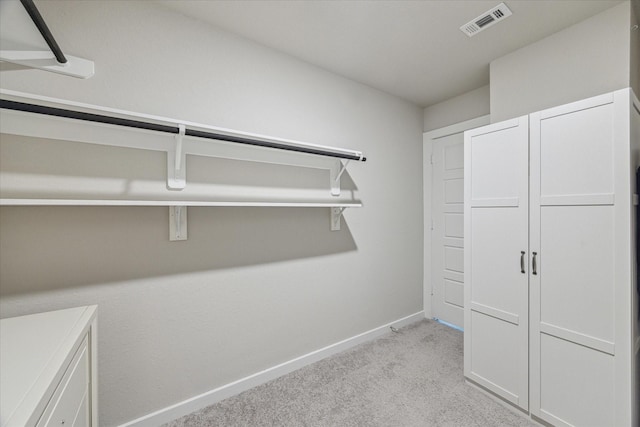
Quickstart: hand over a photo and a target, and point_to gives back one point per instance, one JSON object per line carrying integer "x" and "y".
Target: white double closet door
{"x": 547, "y": 262}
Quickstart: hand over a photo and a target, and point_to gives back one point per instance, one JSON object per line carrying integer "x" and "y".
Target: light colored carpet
{"x": 410, "y": 378}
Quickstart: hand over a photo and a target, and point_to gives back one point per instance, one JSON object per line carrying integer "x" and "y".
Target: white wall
{"x": 252, "y": 287}
{"x": 586, "y": 59}
{"x": 467, "y": 106}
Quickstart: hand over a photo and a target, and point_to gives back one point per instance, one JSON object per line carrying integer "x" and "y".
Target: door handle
{"x": 522, "y": 262}
{"x": 534, "y": 264}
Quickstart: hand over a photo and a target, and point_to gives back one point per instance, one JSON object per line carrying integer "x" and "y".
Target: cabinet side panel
{"x": 635, "y": 162}
{"x": 624, "y": 293}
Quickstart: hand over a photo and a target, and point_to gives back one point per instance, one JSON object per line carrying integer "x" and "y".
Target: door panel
{"x": 495, "y": 261}
{"x": 562, "y": 148}
{"x": 453, "y": 259}
{"x": 496, "y": 215}
{"x": 573, "y": 232}
{"x": 495, "y": 173}
{"x": 454, "y": 225}
{"x": 569, "y": 397}
{"x": 575, "y": 291}
{"x": 491, "y": 341}
{"x": 454, "y": 292}
{"x": 454, "y": 153}
{"x": 454, "y": 189}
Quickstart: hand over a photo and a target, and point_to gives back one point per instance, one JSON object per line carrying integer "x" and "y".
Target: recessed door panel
{"x": 495, "y": 157}
{"x": 454, "y": 292}
{"x": 491, "y": 346}
{"x": 454, "y": 155}
{"x": 497, "y": 243}
{"x": 577, "y": 383}
{"x": 454, "y": 259}
{"x": 454, "y": 190}
{"x": 576, "y": 267}
{"x": 454, "y": 225}
{"x": 576, "y": 153}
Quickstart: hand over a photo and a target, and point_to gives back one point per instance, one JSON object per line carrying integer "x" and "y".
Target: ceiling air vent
{"x": 486, "y": 20}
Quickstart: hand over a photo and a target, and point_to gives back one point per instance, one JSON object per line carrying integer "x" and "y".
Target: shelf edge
{"x": 195, "y": 203}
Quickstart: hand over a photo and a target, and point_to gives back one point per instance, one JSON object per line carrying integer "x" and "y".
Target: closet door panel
{"x": 577, "y": 384}
{"x": 495, "y": 260}
{"x": 497, "y": 240}
{"x": 575, "y": 306}
{"x": 492, "y": 340}
{"x": 577, "y": 270}
{"x": 496, "y": 164}
{"x": 576, "y": 153}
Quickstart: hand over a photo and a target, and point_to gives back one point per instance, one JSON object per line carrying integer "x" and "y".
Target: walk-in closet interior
{"x": 232, "y": 213}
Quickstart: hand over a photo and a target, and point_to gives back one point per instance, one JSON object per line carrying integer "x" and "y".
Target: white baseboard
{"x": 216, "y": 395}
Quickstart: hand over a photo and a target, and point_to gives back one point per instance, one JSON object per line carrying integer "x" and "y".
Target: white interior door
{"x": 447, "y": 229}
{"x": 443, "y": 221}
{"x": 496, "y": 244}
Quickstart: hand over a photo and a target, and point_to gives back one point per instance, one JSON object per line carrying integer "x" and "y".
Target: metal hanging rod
{"x": 37, "y": 19}
{"x": 98, "y": 118}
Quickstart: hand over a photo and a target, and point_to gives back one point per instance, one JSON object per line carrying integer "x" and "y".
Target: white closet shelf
{"x": 36, "y": 116}
{"x": 124, "y": 202}
{"x": 177, "y": 208}
{"x": 56, "y": 119}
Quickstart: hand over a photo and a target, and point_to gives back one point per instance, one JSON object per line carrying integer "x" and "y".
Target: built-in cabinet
{"x": 551, "y": 302}
{"x": 49, "y": 368}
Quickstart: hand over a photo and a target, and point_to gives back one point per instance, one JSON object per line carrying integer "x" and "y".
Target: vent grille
{"x": 486, "y": 20}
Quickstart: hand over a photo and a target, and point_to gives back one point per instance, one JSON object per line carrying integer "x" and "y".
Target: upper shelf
{"x": 123, "y": 202}
{"x": 50, "y": 118}
{"x": 181, "y": 130}
{"x": 18, "y": 101}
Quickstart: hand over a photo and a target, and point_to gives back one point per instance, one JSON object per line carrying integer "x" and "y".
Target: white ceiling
{"x": 412, "y": 49}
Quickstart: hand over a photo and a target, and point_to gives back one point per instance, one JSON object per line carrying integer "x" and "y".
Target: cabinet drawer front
{"x": 68, "y": 397}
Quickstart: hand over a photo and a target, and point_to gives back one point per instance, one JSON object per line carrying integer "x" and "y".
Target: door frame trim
{"x": 427, "y": 182}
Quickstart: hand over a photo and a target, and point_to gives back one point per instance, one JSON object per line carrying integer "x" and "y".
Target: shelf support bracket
{"x": 45, "y": 60}
{"x": 336, "y": 214}
{"x": 176, "y": 163}
{"x": 334, "y": 174}
{"x": 177, "y": 223}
